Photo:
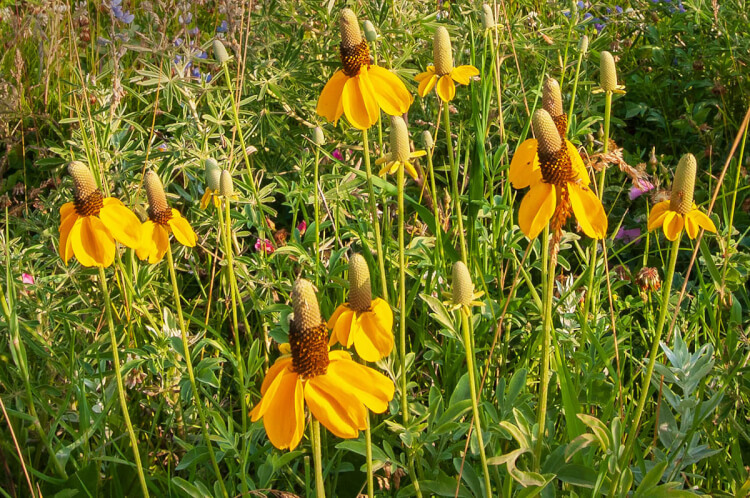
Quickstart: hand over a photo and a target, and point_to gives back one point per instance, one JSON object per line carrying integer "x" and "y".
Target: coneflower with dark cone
{"x": 308, "y": 336}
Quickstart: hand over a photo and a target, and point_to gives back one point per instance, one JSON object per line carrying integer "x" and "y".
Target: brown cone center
{"x": 89, "y": 205}
{"x": 309, "y": 349}
{"x": 353, "y": 57}
{"x": 161, "y": 217}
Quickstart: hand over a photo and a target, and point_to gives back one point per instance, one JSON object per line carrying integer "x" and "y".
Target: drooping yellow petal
{"x": 335, "y": 406}
{"x": 463, "y": 74}
{"x": 283, "y": 411}
{"x": 331, "y": 324}
{"x": 375, "y": 340}
{"x": 658, "y": 213}
{"x": 446, "y": 89}
{"x": 691, "y": 227}
{"x": 673, "y": 224}
{"x": 536, "y": 209}
{"x": 411, "y": 170}
{"x": 206, "y": 198}
{"x": 578, "y": 165}
{"x": 183, "y": 232}
{"x": 66, "y": 248}
{"x": 390, "y": 92}
{"x": 121, "y": 222}
{"x": 147, "y": 246}
{"x": 330, "y": 104}
{"x": 588, "y": 210}
{"x": 383, "y": 159}
{"x": 343, "y": 327}
{"x": 358, "y": 108}
{"x": 370, "y": 387}
{"x": 66, "y": 209}
{"x": 160, "y": 244}
{"x": 425, "y": 75}
{"x": 524, "y": 167}
{"x": 701, "y": 220}
{"x": 417, "y": 153}
{"x": 93, "y": 245}
{"x": 277, "y": 368}
{"x": 427, "y": 84}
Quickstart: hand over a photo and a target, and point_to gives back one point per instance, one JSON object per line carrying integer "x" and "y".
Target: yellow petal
{"x": 425, "y": 75}
{"x": 536, "y": 209}
{"x": 283, "y": 411}
{"x": 66, "y": 209}
{"x": 446, "y": 89}
{"x": 121, "y": 222}
{"x": 700, "y": 219}
{"x": 206, "y": 198}
{"x": 384, "y": 170}
{"x": 277, "y": 368}
{"x": 426, "y": 85}
{"x": 673, "y": 223}
{"x": 463, "y": 74}
{"x": 376, "y": 339}
{"x": 160, "y": 244}
{"x": 147, "y": 240}
{"x": 330, "y": 103}
{"x": 334, "y": 405}
{"x": 588, "y": 210}
{"x": 93, "y": 245}
{"x": 183, "y": 232}
{"x": 658, "y": 213}
{"x": 383, "y": 159}
{"x": 691, "y": 227}
{"x": 343, "y": 328}
{"x": 410, "y": 169}
{"x": 369, "y": 386}
{"x": 66, "y": 247}
{"x": 417, "y": 153}
{"x": 524, "y": 167}
{"x": 578, "y": 165}
{"x": 390, "y": 92}
{"x": 358, "y": 110}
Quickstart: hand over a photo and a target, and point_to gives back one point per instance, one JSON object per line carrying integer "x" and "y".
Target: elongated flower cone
{"x": 462, "y": 287}
{"x": 552, "y": 98}
{"x": 220, "y": 52}
{"x": 157, "y": 199}
{"x": 84, "y": 183}
{"x": 546, "y": 133}
{"x": 360, "y": 289}
{"x": 583, "y": 45}
{"x": 442, "y": 51}
{"x": 305, "y": 305}
{"x": 399, "y": 140}
{"x": 608, "y": 72}
{"x": 488, "y": 17}
{"x": 349, "y": 26}
{"x": 213, "y": 174}
{"x": 308, "y": 336}
{"x": 683, "y": 187}
{"x": 226, "y": 185}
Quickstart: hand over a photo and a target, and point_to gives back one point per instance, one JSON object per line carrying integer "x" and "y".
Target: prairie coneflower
{"x": 213, "y": 173}
{"x": 337, "y": 390}
{"x": 363, "y": 322}
{"x": 162, "y": 220}
{"x": 91, "y": 223}
{"x": 360, "y": 89}
{"x": 400, "y": 150}
{"x": 680, "y": 211}
{"x": 442, "y": 74}
{"x": 462, "y": 296}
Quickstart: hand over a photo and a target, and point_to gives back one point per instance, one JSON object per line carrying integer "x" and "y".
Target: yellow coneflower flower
{"x": 558, "y": 180}
{"x": 213, "y": 174}
{"x": 442, "y": 73}
{"x": 162, "y": 220}
{"x": 400, "y": 150}
{"x": 337, "y": 390}
{"x": 91, "y": 223}
{"x": 360, "y": 89}
{"x": 680, "y": 211}
{"x": 363, "y": 322}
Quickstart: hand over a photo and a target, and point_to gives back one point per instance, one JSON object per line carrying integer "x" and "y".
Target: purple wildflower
{"x": 618, "y": 9}
{"x": 264, "y": 245}
{"x": 337, "y": 155}
{"x": 222, "y": 28}
{"x": 302, "y": 227}
{"x": 639, "y": 188}
{"x": 628, "y": 236}
{"x": 186, "y": 19}
{"x": 123, "y": 16}
{"x": 194, "y": 31}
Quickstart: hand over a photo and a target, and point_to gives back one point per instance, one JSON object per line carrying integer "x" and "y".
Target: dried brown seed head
{"x": 360, "y": 290}
{"x": 442, "y": 52}
{"x": 684, "y": 185}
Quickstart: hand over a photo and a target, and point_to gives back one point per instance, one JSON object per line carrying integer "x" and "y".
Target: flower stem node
{"x": 360, "y": 289}
{"x": 220, "y": 52}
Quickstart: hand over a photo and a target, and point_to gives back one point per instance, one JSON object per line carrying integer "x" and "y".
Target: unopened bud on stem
{"x": 220, "y": 52}
{"x": 213, "y": 174}
{"x": 607, "y": 72}
{"x": 226, "y": 185}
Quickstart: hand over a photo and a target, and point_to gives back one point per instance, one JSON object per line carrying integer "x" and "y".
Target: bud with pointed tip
{"x": 583, "y": 45}
{"x": 546, "y": 133}
{"x": 370, "y": 34}
{"x": 488, "y": 17}
{"x": 427, "y": 140}
{"x": 318, "y": 137}
{"x": 213, "y": 174}
{"x": 607, "y": 72}
{"x": 84, "y": 183}
{"x": 552, "y": 98}
{"x": 360, "y": 290}
{"x": 683, "y": 186}
{"x": 226, "y": 185}
{"x": 349, "y": 26}
{"x": 442, "y": 51}
{"x": 462, "y": 287}
{"x": 158, "y": 209}
{"x": 399, "y": 140}
{"x": 220, "y": 52}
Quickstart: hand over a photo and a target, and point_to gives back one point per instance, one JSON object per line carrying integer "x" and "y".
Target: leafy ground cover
{"x": 508, "y": 317}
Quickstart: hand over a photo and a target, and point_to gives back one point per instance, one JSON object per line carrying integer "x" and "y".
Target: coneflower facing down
{"x": 400, "y": 153}
{"x": 360, "y": 89}
{"x": 337, "y": 390}
{"x": 442, "y": 75}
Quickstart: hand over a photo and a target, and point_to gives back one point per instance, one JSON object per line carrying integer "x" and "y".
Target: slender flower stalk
{"x": 402, "y": 295}
{"x": 490, "y": 27}
{"x": 120, "y": 386}
{"x": 583, "y": 47}
{"x": 429, "y": 146}
{"x": 319, "y": 141}
{"x": 374, "y": 216}
{"x": 454, "y": 183}
{"x": 464, "y": 298}
{"x": 320, "y": 491}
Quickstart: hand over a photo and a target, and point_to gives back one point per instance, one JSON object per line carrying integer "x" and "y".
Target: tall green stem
{"x": 374, "y": 215}
{"x": 368, "y": 456}
{"x": 118, "y": 377}
{"x": 320, "y": 491}
{"x": 496, "y": 74}
{"x": 607, "y": 118}
{"x": 454, "y": 182}
{"x": 402, "y": 294}
{"x": 575, "y": 89}
{"x": 466, "y": 326}
{"x": 189, "y": 363}
{"x": 317, "y": 214}
{"x": 646, "y": 382}
{"x": 436, "y": 211}
{"x": 548, "y": 277}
